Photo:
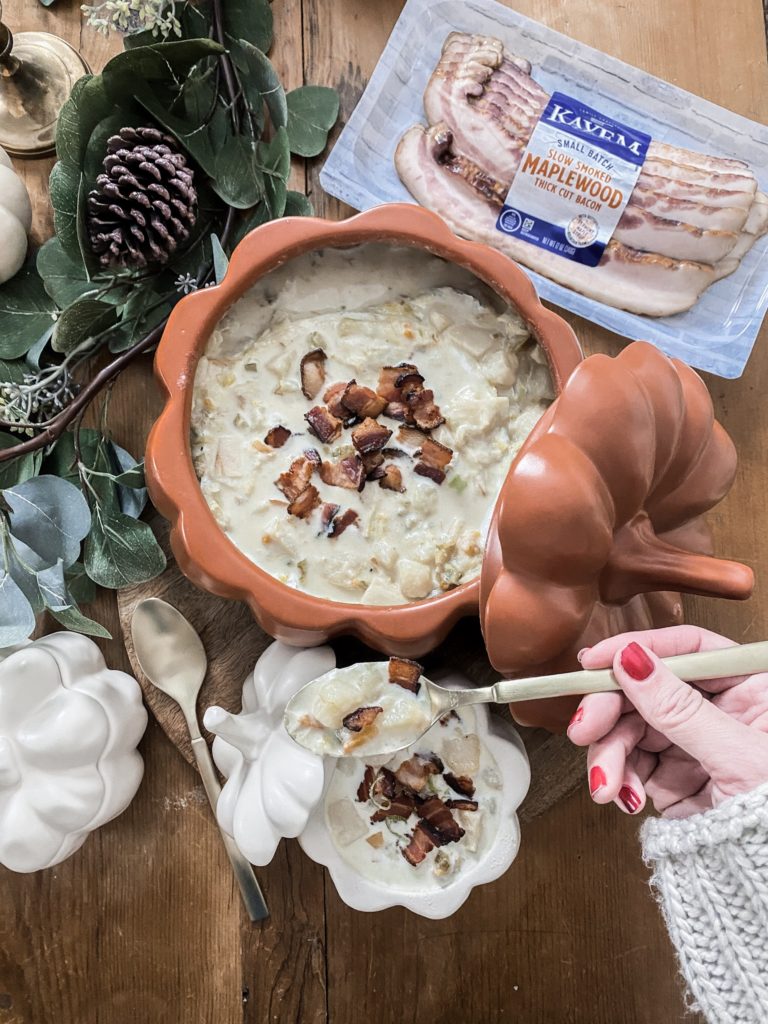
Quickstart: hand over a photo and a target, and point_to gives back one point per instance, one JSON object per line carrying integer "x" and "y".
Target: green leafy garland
{"x": 70, "y": 498}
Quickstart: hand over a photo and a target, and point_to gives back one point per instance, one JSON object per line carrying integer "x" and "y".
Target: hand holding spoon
{"x": 172, "y": 657}
{"x": 381, "y": 715}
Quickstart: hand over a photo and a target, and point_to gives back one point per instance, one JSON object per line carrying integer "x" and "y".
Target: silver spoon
{"x": 437, "y": 701}
{"x": 172, "y": 657}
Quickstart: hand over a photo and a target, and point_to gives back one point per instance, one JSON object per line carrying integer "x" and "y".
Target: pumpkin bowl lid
{"x": 604, "y": 502}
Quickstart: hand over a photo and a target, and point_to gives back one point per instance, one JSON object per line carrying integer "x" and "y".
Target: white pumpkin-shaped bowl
{"x": 15, "y": 219}
{"x": 272, "y": 783}
{"x": 69, "y": 728}
{"x": 374, "y": 877}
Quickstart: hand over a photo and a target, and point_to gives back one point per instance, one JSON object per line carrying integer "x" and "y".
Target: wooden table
{"x": 143, "y": 925}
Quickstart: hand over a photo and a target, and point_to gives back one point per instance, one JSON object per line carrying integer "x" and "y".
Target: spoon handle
{"x": 250, "y": 890}
{"x": 739, "y": 660}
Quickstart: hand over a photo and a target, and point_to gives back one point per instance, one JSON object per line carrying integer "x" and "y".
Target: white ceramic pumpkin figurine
{"x": 272, "y": 783}
{"x": 15, "y": 219}
{"x": 69, "y": 727}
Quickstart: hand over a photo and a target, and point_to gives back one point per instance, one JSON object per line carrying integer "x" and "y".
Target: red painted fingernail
{"x": 576, "y": 718}
{"x": 636, "y": 662}
{"x": 597, "y": 779}
{"x": 629, "y": 798}
{"x": 581, "y": 654}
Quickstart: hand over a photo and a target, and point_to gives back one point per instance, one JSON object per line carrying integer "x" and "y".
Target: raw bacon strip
{"x": 361, "y": 401}
{"x": 461, "y": 784}
{"x": 323, "y": 424}
{"x": 305, "y": 503}
{"x": 370, "y": 436}
{"x": 439, "y": 823}
{"x": 392, "y": 479}
{"x": 312, "y": 369}
{"x": 405, "y": 673}
{"x": 346, "y": 519}
{"x": 277, "y": 437}
{"x": 332, "y": 399}
{"x": 361, "y": 718}
{"x": 419, "y": 846}
{"x": 296, "y": 480}
{"x": 349, "y": 473}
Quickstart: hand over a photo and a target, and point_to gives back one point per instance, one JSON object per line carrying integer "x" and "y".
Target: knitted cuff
{"x": 731, "y": 821}
{"x": 710, "y": 873}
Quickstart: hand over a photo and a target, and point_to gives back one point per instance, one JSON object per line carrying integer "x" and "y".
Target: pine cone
{"x": 144, "y": 204}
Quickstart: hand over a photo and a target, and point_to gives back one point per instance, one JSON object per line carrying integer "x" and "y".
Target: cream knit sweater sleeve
{"x": 710, "y": 873}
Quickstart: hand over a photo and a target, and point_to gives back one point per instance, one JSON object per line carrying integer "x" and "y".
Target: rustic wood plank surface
{"x": 144, "y": 925}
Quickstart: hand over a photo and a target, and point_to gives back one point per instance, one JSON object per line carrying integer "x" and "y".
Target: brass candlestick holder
{"x": 37, "y": 72}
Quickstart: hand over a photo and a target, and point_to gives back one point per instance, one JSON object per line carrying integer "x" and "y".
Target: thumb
{"x": 682, "y": 713}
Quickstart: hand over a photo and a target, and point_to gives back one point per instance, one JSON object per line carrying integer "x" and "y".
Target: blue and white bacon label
{"x": 575, "y": 177}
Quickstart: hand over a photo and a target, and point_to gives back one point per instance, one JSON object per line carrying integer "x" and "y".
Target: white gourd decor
{"x": 272, "y": 783}
{"x": 15, "y": 219}
{"x": 69, "y": 728}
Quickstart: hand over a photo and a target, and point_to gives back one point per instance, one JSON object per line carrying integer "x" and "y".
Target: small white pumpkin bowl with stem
{"x": 365, "y": 860}
{"x": 15, "y": 219}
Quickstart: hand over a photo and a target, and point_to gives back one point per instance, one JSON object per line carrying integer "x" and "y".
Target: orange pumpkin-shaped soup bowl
{"x": 202, "y": 549}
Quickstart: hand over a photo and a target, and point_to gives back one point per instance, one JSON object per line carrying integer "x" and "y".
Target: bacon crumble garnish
{"x": 405, "y": 673}
{"x": 370, "y": 436}
{"x": 361, "y": 718}
{"x": 277, "y": 437}
{"x": 392, "y": 479}
{"x": 332, "y": 399}
{"x": 410, "y": 382}
{"x": 328, "y": 513}
{"x": 385, "y": 785}
{"x": 424, "y": 409}
{"x": 371, "y": 462}
{"x": 413, "y": 773}
{"x": 388, "y": 387}
{"x": 439, "y": 823}
{"x": 462, "y": 805}
{"x": 461, "y": 784}
{"x": 296, "y": 479}
{"x": 362, "y": 401}
{"x": 419, "y": 846}
{"x": 411, "y": 436}
{"x": 348, "y": 518}
{"x": 312, "y": 370}
{"x": 364, "y": 789}
{"x": 303, "y": 505}
{"x": 349, "y": 473}
{"x": 323, "y": 424}
{"x": 313, "y": 455}
{"x": 401, "y": 806}
{"x": 399, "y": 411}
{"x": 434, "y": 458}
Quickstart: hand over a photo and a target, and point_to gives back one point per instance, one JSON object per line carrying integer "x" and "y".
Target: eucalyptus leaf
{"x": 298, "y": 205}
{"x": 252, "y": 218}
{"x": 236, "y": 178}
{"x": 16, "y": 471}
{"x": 131, "y": 492}
{"x": 35, "y": 353}
{"x": 261, "y": 82}
{"x": 23, "y": 564}
{"x": 220, "y": 261}
{"x": 26, "y": 311}
{"x": 12, "y": 371}
{"x": 80, "y": 322}
{"x": 194, "y": 137}
{"x": 17, "y": 617}
{"x": 49, "y": 515}
{"x": 81, "y": 588}
{"x": 64, "y": 189}
{"x": 53, "y": 589}
{"x": 250, "y": 20}
{"x": 73, "y": 618}
{"x": 312, "y": 112}
{"x": 143, "y": 311}
{"x": 157, "y": 67}
{"x": 121, "y": 551}
{"x": 133, "y": 477}
{"x": 88, "y": 104}
{"x": 274, "y": 160}
{"x": 64, "y": 280}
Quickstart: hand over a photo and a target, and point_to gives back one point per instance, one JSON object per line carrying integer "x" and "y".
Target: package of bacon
{"x": 629, "y": 201}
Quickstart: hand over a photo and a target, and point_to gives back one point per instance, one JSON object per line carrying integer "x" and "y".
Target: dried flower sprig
{"x": 157, "y": 16}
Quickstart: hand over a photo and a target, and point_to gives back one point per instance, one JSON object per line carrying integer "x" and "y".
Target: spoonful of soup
{"x": 377, "y": 708}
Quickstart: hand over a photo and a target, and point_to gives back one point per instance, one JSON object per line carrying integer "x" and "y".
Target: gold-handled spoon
{"x": 431, "y": 702}
{"x": 172, "y": 657}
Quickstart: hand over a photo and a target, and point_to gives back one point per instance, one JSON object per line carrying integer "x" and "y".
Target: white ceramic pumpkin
{"x": 272, "y": 783}
{"x": 69, "y": 728}
{"x": 15, "y": 219}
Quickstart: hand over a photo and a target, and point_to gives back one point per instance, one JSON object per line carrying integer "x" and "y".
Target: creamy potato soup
{"x": 354, "y": 417}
